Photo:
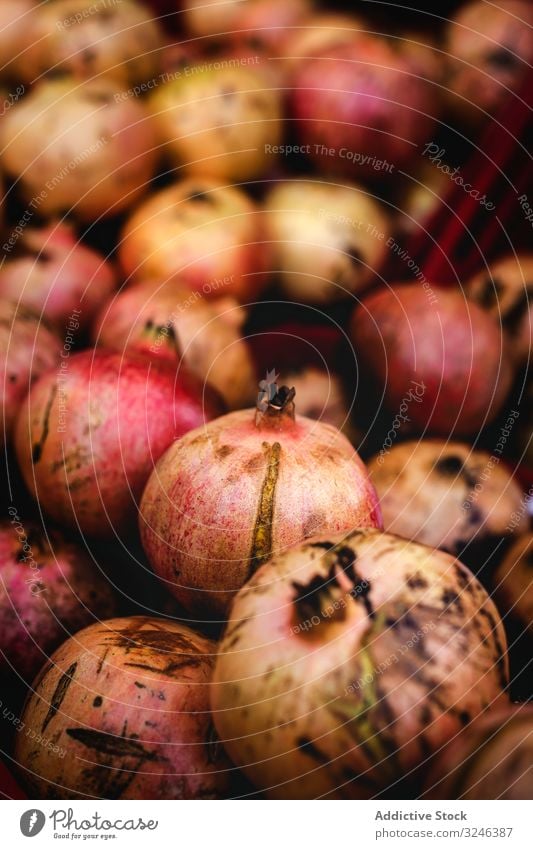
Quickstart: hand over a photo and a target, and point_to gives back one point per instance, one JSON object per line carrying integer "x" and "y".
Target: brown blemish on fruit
{"x": 262, "y": 533}
{"x": 37, "y": 449}
{"x": 110, "y": 744}
{"x": 59, "y": 694}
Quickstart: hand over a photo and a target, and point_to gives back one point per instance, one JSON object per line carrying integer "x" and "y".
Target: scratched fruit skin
{"x": 227, "y": 495}
{"x": 438, "y": 338}
{"x": 27, "y": 349}
{"x": 87, "y": 440}
{"x": 128, "y": 701}
{"x": 491, "y": 759}
{"x": 49, "y": 589}
{"x": 377, "y": 650}
{"x": 446, "y": 495}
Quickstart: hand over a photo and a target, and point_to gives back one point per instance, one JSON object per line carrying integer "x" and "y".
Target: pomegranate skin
{"x": 362, "y": 98}
{"x": 226, "y": 496}
{"x": 348, "y": 659}
{"x": 54, "y": 273}
{"x": 126, "y": 704}
{"x": 450, "y": 347}
{"x": 49, "y": 589}
{"x": 88, "y": 439}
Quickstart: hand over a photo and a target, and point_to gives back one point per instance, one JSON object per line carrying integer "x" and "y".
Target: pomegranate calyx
{"x": 275, "y": 406}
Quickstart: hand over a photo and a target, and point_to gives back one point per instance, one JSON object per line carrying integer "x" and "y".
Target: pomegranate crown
{"x": 274, "y": 403}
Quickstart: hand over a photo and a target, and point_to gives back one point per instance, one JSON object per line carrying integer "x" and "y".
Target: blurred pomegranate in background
{"x": 49, "y": 589}
{"x": 490, "y": 49}
{"x": 27, "y": 349}
{"x": 505, "y": 290}
{"x": 87, "y": 439}
{"x": 87, "y": 39}
{"x": 84, "y": 148}
{"x": 317, "y": 33}
{"x": 227, "y": 496}
{"x": 264, "y": 25}
{"x": 444, "y": 348}
{"x": 16, "y": 36}
{"x": 203, "y": 235}
{"x": 321, "y": 396}
{"x": 513, "y": 588}
{"x": 363, "y": 109}
{"x": 166, "y": 321}
{"x": 219, "y": 119}
{"x": 53, "y": 273}
{"x": 327, "y": 240}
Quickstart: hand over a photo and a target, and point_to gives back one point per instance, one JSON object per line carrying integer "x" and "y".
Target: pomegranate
{"x": 317, "y": 33}
{"x": 347, "y": 659}
{"x": 505, "y": 290}
{"x": 125, "y": 707}
{"x": 206, "y": 236}
{"x": 88, "y": 436}
{"x": 169, "y": 322}
{"x": 362, "y": 108}
{"x": 446, "y": 495}
{"x": 49, "y": 589}
{"x": 121, "y": 40}
{"x": 16, "y": 36}
{"x": 321, "y": 396}
{"x": 98, "y": 154}
{"x": 489, "y": 759}
{"x": 513, "y": 590}
{"x": 327, "y": 239}
{"x": 263, "y": 25}
{"x": 219, "y": 17}
{"x": 489, "y": 50}
{"x": 450, "y": 347}
{"x": 52, "y": 272}
{"x": 252, "y": 483}
{"x": 219, "y": 119}
{"x": 27, "y": 349}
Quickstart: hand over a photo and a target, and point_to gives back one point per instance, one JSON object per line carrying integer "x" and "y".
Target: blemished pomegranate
{"x": 513, "y": 587}
{"x": 121, "y": 40}
{"x": 90, "y": 432}
{"x": 79, "y": 148}
{"x": 446, "y": 344}
{"x": 489, "y": 759}
{"x": 27, "y": 349}
{"x": 168, "y": 322}
{"x": 250, "y": 484}
{"x": 348, "y": 659}
{"x": 489, "y": 49}
{"x": 327, "y": 240}
{"x": 220, "y": 118}
{"x": 124, "y": 705}
{"x": 201, "y": 234}
{"x": 362, "y": 109}
{"x": 505, "y": 290}
{"x": 446, "y": 495}
{"x": 53, "y": 273}
{"x": 49, "y": 589}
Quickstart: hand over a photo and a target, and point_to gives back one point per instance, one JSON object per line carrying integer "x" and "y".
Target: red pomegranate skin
{"x": 126, "y": 703}
{"x": 54, "y": 273}
{"x": 361, "y": 97}
{"x": 450, "y": 347}
{"x": 49, "y": 589}
{"x": 228, "y": 495}
{"x": 87, "y": 442}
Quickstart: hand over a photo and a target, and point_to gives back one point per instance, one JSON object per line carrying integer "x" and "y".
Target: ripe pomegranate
{"x": 505, "y": 290}
{"x": 27, "y": 349}
{"x": 49, "y": 589}
{"x": 327, "y": 239}
{"x": 99, "y": 151}
{"x": 88, "y": 436}
{"x": 348, "y": 659}
{"x": 489, "y": 759}
{"x": 446, "y": 495}
{"x": 206, "y": 236}
{"x": 219, "y": 119}
{"x": 125, "y": 703}
{"x": 170, "y": 323}
{"x": 121, "y": 40}
{"x": 446, "y": 344}
{"x": 489, "y": 49}
{"x": 363, "y": 109}
{"x": 52, "y": 272}
{"x": 250, "y": 484}
{"x": 513, "y": 590}
{"x": 321, "y": 396}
